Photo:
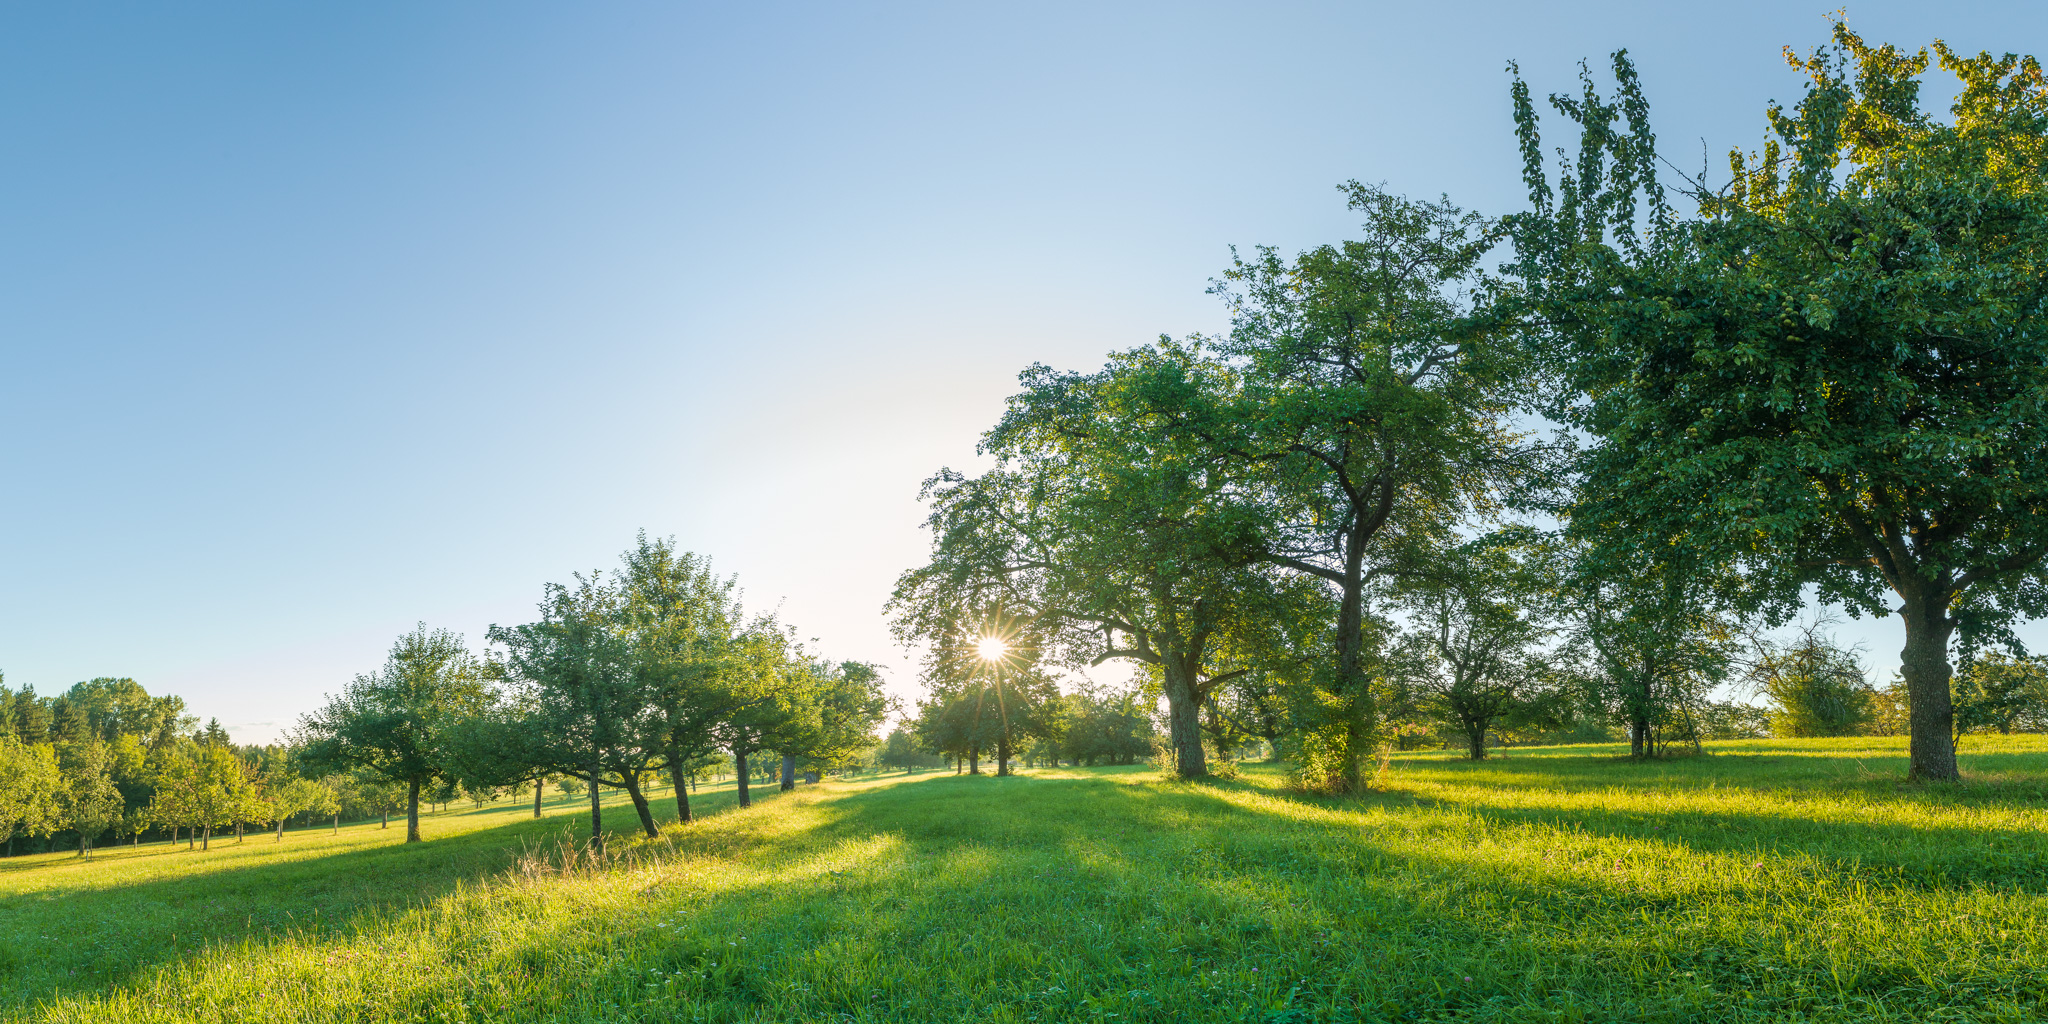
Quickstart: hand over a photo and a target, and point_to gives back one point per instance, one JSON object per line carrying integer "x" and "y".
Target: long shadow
{"x": 1082, "y": 897}
{"x": 98, "y": 933}
{"x": 1116, "y": 899}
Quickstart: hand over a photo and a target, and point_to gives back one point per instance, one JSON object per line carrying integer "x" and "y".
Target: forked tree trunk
{"x": 739, "y": 767}
{"x": 1925, "y": 666}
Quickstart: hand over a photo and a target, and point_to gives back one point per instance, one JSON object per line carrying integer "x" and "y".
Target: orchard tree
{"x": 396, "y": 721}
{"x": 1831, "y": 377}
{"x": 1474, "y": 645}
{"x": 87, "y": 799}
{"x": 1104, "y": 535}
{"x": 31, "y": 788}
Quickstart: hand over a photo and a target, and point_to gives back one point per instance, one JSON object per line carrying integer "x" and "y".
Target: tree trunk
{"x": 1002, "y": 756}
{"x": 1925, "y": 666}
{"x": 412, "y": 812}
{"x": 83, "y": 844}
{"x": 788, "y": 773}
{"x": 238, "y": 830}
{"x": 337, "y": 823}
{"x": 675, "y": 777}
{"x": 640, "y": 806}
{"x": 1353, "y": 688}
{"x": 539, "y": 786}
{"x": 386, "y": 815}
{"x": 1476, "y": 736}
{"x": 206, "y": 839}
{"x": 1638, "y": 735}
{"x": 974, "y": 761}
{"x": 739, "y": 774}
{"x": 596, "y": 810}
{"x": 280, "y": 829}
{"x": 1183, "y": 721}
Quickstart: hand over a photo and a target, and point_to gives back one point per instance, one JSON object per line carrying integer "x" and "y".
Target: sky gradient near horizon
{"x": 318, "y": 322}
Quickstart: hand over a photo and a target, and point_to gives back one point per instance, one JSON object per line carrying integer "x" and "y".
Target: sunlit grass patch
{"x": 1766, "y": 881}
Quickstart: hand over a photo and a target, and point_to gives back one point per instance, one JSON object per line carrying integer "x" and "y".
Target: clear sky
{"x": 315, "y": 323}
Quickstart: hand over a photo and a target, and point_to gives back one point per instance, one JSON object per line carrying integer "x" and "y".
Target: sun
{"x": 991, "y": 648}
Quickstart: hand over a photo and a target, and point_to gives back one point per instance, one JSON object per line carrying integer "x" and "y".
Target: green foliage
{"x": 88, "y": 799}
{"x": 398, "y": 722}
{"x": 1832, "y": 376}
{"x": 2002, "y": 692}
{"x": 1816, "y": 687}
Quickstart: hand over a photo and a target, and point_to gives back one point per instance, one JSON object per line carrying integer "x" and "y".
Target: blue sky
{"x": 317, "y": 323}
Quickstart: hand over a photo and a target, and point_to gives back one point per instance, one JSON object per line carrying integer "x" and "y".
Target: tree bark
{"x": 337, "y": 823}
{"x": 596, "y": 812}
{"x": 675, "y": 778}
{"x": 412, "y": 813}
{"x": 788, "y": 773}
{"x": 1003, "y": 756}
{"x": 974, "y": 761}
{"x": 280, "y": 829}
{"x": 640, "y": 806}
{"x": 1183, "y": 721}
{"x": 539, "y": 786}
{"x": 739, "y": 765}
{"x": 1925, "y": 666}
{"x": 206, "y": 838}
{"x": 1476, "y": 737}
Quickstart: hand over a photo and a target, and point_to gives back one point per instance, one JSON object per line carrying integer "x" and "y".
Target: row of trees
{"x": 650, "y": 670}
{"x": 1309, "y": 528}
{"x": 107, "y": 758}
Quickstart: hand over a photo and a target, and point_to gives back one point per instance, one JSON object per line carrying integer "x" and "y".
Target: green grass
{"x": 1772, "y": 880}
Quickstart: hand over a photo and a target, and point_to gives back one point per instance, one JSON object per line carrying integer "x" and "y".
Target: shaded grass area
{"x": 1779, "y": 880}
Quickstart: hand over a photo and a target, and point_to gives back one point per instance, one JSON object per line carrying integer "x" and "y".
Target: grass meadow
{"x": 1769, "y": 880}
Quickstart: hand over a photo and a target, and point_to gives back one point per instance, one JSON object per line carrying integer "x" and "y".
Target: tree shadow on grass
{"x": 1070, "y": 898}
{"x": 81, "y": 931}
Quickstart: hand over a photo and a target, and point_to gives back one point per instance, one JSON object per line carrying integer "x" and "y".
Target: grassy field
{"x": 1772, "y": 880}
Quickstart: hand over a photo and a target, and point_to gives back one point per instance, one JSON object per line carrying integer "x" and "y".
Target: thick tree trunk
{"x": 1003, "y": 756}
{"x": 206, "y": 839}
{"x": 788, "y": 773}
{"x": 640, "y": 806}
{"x": 83, "y": 844}
{"x": 539, "y": 786}
{"x": 238, "y": 831}
{"x": 739, "y": 772}
{"x": 412, "y": 812}
{"x": 974, "y": 761}
{"x": 1925, "y": 666}
{"x": 1183, "y": 722}
{"x": 1639, "y": 736}
{"x": 280, "y": 829}
{"x": 1354, "y": 689}
{"x": 1476, "y": 737}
